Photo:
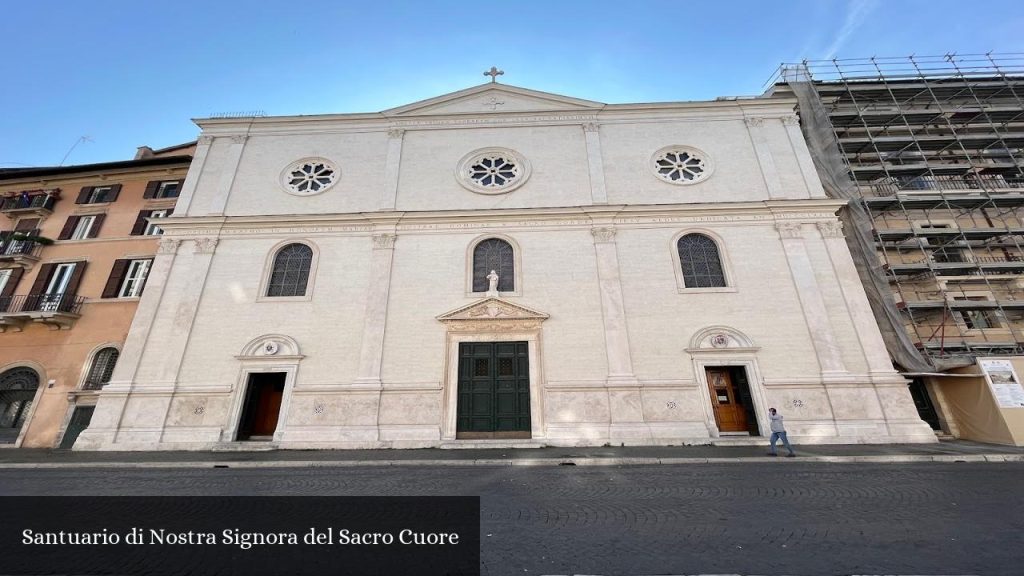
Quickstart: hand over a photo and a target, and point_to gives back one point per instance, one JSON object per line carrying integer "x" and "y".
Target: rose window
{"x": 494, "y": 171}
{"x": 310, "y": 176}
{"x": 681, "y": 165}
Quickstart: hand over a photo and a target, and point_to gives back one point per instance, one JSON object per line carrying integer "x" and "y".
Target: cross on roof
{"x": 494, "y": 73}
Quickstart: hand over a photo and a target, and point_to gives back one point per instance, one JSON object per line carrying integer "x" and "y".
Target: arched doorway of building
{"x": 17, "y": 391}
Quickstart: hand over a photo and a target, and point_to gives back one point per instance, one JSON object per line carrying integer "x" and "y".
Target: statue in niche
{"x": 492, "y": 284}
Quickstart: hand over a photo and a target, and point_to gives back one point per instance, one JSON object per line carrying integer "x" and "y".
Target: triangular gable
{"x": 490, "y": 98}
{"x": 490, "y": 309}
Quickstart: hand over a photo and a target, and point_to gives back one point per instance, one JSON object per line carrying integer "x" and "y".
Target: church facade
{"x": 502, "y": 266}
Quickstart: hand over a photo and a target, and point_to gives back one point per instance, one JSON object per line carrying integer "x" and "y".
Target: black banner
{"x": 172, "y": 536}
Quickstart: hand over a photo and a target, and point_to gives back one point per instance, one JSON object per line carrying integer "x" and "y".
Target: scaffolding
{"x": 930, "y": 153}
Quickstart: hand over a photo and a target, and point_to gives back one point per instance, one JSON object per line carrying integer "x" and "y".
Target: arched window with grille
{"x": 290, "y": 273}
{"x": 102, "y": 368}
{"x": 498, "y": 255}
{"x": 700, "y": 261}
{"x": 17, "y": 392}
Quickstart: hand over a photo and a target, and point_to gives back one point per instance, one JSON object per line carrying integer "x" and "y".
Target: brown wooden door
{"x": 730, "y": 414}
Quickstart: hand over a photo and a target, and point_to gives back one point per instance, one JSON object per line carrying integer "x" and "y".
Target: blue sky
{"x": 127, "y": 74}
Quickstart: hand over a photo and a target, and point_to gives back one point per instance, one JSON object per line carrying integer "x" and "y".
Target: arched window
{"x": 17, "y": 391}
{"x": 494, "y": 254}
{"x": 701, "y": 263}
{"x": 102, "y": 368}
{"x": 291, "y": 271}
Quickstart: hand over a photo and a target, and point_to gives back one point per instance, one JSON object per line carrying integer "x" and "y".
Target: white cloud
{"x": 856, "y": 14}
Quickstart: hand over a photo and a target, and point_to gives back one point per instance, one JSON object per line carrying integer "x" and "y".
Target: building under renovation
{"x": 930, "y": 153}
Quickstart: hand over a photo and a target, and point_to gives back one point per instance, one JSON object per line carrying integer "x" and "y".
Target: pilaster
{"x": 195, "y": 172}
{"x": 375, "y": 320}
{"x": 227, "y": 179}
{"x": 625, "y": 404}
{"x": 598, "y": 192}
{"x": 857, "y": 305}
{"x": 803, "y": 157}
{"x": 813, "y": 304}
{"x": 755, "y": 127}
{"x": 392, "y": 165}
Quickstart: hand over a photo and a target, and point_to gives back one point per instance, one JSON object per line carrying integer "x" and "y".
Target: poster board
{"x": 1002, "y": 378}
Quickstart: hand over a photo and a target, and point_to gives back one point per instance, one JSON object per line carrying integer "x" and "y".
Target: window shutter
{"x": 75, "y": 280}
{"x": 45, "y": 271}
{"x": 94, "y": 230}
{"x": 12, "y": 283}
{"x": 83, "y": 195}
{"x": 26, "y": 225}
{"x": 115, "y": 279}
{"x": 69, "y": 228}
{"x": 151, "y": 189}
{"x": 140, "y": 222}
{"x": 114, "y": 191}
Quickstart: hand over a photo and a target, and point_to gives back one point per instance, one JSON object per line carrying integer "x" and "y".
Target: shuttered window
{"x": 102, "y": 368}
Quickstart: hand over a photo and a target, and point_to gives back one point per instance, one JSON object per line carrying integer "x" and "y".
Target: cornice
{"x": 695, "y": 111}
{"x": 98, "y": 176}
{"x": 810, "y": 211}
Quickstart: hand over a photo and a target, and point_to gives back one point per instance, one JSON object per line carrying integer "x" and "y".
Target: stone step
{"x": 491, "y": 443}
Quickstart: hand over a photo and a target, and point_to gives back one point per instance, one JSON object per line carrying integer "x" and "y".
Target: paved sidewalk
{"x": 946, "y": 451}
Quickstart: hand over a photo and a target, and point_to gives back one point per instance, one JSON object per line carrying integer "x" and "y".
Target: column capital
{"x": 791, "y": 120}
{"x": 384, "y": 241}
{"x": 168, "y": 246}
{"x": 789, "y": 229}
{"x": 754, "y": 121}
{"x": 591, "y": 127}
{"x": 239, "y": 138}
{"x": 205, "y": 245}
{"x": 396, "y": 132}
{"x": 832, "y": 229}
{"x": 204, "y": 140}
{"x": 603, "y": 234}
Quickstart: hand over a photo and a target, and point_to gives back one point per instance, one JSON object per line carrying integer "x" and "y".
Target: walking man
{"x": 778, "y": 431}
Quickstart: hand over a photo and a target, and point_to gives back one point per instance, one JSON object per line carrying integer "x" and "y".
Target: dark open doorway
{"x": 262, "y": 406}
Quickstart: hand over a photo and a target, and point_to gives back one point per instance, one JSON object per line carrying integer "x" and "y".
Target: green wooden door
{"x": 80, "y": 419}
{"x": 494, "y": 390}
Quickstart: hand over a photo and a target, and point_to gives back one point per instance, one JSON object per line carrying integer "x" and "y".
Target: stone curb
{"x": 897, "y": 458}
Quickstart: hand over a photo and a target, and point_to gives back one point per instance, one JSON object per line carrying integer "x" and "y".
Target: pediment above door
{"x": 492, "y": 315}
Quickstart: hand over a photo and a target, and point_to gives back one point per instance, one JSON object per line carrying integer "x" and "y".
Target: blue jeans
{"x": 785, "y": 441}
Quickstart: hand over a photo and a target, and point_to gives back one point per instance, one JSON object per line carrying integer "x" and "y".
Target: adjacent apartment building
{"x": 502, "y": 266}
{"x": 76, "y": 246}
{"x": 930, "y": 153}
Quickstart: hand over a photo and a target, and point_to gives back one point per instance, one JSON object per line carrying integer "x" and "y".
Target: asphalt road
{"x": 779, "y": 518}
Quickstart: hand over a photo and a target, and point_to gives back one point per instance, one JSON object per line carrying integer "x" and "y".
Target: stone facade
{"x": 618, "y": 344}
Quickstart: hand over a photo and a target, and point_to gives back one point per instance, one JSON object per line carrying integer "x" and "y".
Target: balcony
{"x": 930, "y": 192}
{"x": 23, "y": 253}
{"x": 945, "y": 234}
{"x": 40, "y": 204}
{"x": 958, "y": 305}
{"x": 57, "y": 311}
{"x": 969, "y": 265}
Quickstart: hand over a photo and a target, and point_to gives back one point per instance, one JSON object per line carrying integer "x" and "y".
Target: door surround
{"x": 491, "y": 320}
{"x": 268, "y": 353}
{"x": 43, "y": 384}
{"x": 721, "y": 346}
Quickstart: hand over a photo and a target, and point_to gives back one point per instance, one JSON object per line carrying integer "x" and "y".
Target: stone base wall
{"x": 583, "y": 416}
